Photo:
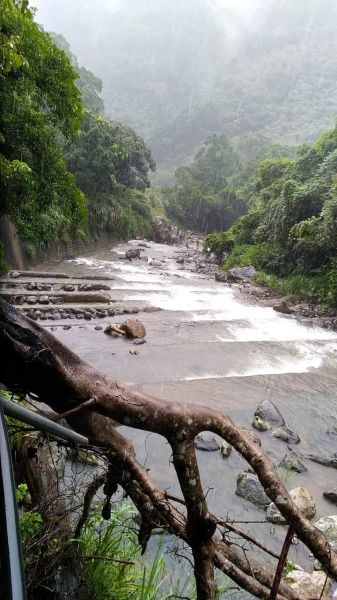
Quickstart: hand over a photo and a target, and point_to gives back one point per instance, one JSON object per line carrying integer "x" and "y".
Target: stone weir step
{"x": 52, "y": 275}
{"x": 52, "y": 298}
{"x": 65, "y": 312}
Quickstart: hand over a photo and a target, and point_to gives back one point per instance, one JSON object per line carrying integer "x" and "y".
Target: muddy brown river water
{"x": 210, "y": 345}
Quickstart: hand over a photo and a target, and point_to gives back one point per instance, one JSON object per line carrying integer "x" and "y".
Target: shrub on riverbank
{"x": 290, "y": 230}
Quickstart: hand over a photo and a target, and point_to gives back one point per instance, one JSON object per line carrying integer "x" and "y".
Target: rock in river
{"x": 249, "y": 488}
{"x": 267, "y": 411}
{"x": 331, "y": 495}
{"x": 206, "y": 442}
{"x": 308, "y": 585}
{"x": 303, "y": 500}
{"x": 283, "y": 308}
{"x": 292, "y": 461}
{"x": 133, "y": 328}
{"x": 328, "y": 526}
{"x": 132, "y": 253}
{"x": 286, "y": 435}
{"x": 260, "y": 424}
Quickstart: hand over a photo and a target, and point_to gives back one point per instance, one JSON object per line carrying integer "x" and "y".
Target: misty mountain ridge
{"x": 178, "y": 71}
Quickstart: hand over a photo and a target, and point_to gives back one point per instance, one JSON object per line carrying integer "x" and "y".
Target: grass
{"x": 112, "y": 580}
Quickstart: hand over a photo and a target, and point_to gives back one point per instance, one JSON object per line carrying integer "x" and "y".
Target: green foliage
{"x": 261, "y": 256}
{"x": 111, "y": 165}
{"x": 113, "y": 580}
{"x": 30, "y": 522}
{"x": 290, "y": 229}
{"x": 38, "y": 101}
{"x": 202, "y": 197}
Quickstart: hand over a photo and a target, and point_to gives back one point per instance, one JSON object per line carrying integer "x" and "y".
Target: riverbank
{"x": 208, "y": 343}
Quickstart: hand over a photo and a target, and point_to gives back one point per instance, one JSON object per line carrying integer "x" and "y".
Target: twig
{"x": 282, "y": 559}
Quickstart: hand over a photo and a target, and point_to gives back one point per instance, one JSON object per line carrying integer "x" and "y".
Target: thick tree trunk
{"x": 34, "y": 361}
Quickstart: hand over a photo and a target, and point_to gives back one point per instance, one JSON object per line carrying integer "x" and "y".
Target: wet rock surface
{"x": 267, "y": 411}
{"x": 249, "y": 488}
{"x": 286, "y": 435}
{"x": 308, "y": 585}
{"x": 303, "y": 500}
{"x": 293, "y": 462}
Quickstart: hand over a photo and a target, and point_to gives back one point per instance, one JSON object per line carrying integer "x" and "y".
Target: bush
{"x": 218, "y": 243}
{"x": 303, "y": 287}
{"x": 263, "y": 257}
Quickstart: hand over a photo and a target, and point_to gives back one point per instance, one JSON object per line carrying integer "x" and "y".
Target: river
{"x": 209, "y": 344}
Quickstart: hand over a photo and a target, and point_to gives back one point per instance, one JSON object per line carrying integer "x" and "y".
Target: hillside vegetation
{"x": 290, "y": 229}
{"x": 66, "y": 171}
{"x": 180, "y": 70}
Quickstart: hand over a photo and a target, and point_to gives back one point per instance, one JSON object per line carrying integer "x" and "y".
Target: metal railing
{"x": 12, "y": 569}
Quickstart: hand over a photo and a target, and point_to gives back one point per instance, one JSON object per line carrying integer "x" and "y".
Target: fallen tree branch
{"x": 34, "y": 361}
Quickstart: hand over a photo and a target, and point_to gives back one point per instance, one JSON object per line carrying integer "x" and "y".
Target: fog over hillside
{"x": 179, "y": 70}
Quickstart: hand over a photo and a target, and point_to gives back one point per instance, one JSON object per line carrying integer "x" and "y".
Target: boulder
{"x": 283, "y": 308}
{"x": 331, "y": 495}
{"x": 132, "y": 253}
{"x": 31, "y": 299}
{"x": 327, "y": 461}
{"x": 286, "y": 435}
{"x": 308, "y": 585}
{"x": 249, "y": 488}
{"x": 260, "y": 424}
{"x": 165, "y": 233}
{"x": 14, "y": 274}
{"x": 241, "y": 274}
{"x": 221, "y": 277}
{"x": 267, "y": 411}
{"x": 292, "y": 461}
{"x": 133, "y": 329}
{"x": 68, "y": 287}
{"x": 44, "y": 300}
{"x": 303, "y": 500}
{"x": 206, "y": 442}
{"x": 328, "y": 526}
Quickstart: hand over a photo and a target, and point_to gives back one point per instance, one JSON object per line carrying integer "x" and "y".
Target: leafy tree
{"x": 202, "y": 197}
{"x": 38, "y": 101}
{"x": 111, "y": 164}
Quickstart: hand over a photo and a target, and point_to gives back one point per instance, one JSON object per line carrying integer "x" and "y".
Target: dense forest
{"x": 67, "y": 171}
{"x": 259, "y": 72}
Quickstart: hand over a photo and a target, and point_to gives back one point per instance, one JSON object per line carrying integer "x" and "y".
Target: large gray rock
{"x": 308, "y": 585}
{"x": 238, "y": 274}
{"x": 328, "y": 526}
{"x": 283, "y": 308}
{"x": 292, "y": 461}
{"x": 206, "y": 442}
{"x": 132, "y": 253}
{"x": 303, "y": 500}
{"x": 267, "y": 411}
{"x": 286, "y": 435}
{"x": 164, "y": 233}
{"x": 249, "y": 488}
{"x": 327, "y": 461}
